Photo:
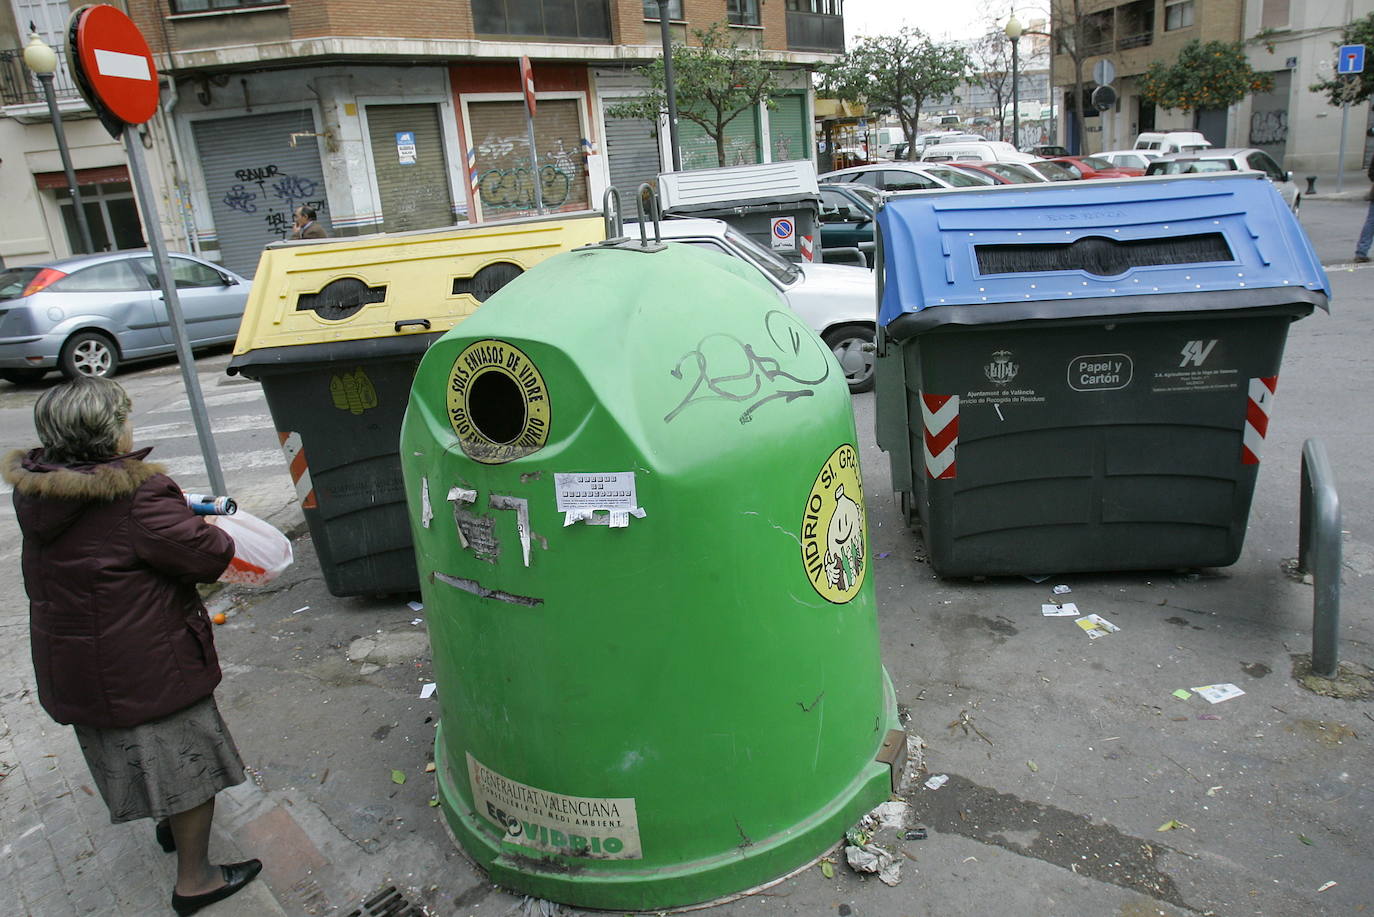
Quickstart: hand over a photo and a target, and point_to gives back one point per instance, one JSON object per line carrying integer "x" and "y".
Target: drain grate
{"x": 389, "y": 902}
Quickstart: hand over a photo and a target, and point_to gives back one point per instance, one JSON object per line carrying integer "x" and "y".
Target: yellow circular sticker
{"x": 497, "y": 403}
{"x": 834, "y": 529}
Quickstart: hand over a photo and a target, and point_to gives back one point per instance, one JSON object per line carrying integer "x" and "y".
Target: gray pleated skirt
{"x": 165, "y": 766}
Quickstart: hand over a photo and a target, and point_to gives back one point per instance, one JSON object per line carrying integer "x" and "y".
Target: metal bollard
{"x": 1319, "y": 552}
{"x": 1311, "y": 184}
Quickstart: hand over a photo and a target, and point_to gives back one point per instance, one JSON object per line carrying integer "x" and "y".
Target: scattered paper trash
{"x": 1215, "y": 694}
{"x": 1212, "y": 790}
{"x": 1062, "y": 590}
{"x": 1037, "y": 579}
{"x": 428, "y": 689}
{"x": 1057, "y": 610}
{"x": 1208, "y": 716}
{"x": 415, "y": 606}
{"x": 939, "y": 780}
{"x": 872, "y": 858}
{"x": 919, "y": 833}
{"x": 302, "y": 608}
{"x": 1183, "y": 694}
{"x": 892, "y": 814}
{"x": 416, "y": 622}
{"x": 1325, "y": 886}
{"x": 1097, "y": 626}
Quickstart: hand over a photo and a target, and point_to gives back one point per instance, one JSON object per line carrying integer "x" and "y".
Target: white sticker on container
{"x": 578, "y": 826}
{"x": 426, "y": 511}
{"x": 598, "y": 498}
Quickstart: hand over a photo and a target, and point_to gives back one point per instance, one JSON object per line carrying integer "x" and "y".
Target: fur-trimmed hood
{"x": 49, "y": 497}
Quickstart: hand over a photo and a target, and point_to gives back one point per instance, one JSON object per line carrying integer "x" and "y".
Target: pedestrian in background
{"x": 122, "y": 645}
{"x": 1367, "y": 231}
{"x": 306, "y": 227}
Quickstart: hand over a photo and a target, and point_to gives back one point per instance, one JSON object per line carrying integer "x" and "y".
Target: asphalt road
{"x": 1066, "y": 756}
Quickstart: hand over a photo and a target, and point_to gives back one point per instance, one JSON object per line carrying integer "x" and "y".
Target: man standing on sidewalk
{"x": 1367, "y": 232}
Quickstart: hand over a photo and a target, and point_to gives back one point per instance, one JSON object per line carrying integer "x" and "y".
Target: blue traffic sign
{"x": 1350, "y": 59}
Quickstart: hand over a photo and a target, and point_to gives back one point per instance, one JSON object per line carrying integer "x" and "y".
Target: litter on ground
{"x": 1097, "y": 626}
{"x": 1215, "y": 694}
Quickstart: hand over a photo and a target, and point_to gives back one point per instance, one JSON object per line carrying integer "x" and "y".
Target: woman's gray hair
{"x": 82, "y": 420}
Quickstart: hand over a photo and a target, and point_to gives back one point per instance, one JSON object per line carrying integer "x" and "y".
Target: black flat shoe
{"x": 236, "y": 876}
{"x": 165, "y": 838}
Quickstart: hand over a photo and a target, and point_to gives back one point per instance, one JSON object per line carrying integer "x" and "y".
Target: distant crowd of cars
{"x": 850, "y": 197}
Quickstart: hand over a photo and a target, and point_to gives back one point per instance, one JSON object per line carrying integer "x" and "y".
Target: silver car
{"x": 837, "y": 301}
{"x": 1231, "y": 159}
{"x": 88, "y": 315}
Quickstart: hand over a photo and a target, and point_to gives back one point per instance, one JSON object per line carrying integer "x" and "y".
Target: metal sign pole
{"x": 1340, "y": 158}
{"x": 133, "y": 143}
{"x": 534, "y": 164}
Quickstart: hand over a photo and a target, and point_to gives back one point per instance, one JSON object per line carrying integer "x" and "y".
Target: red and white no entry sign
{"x": 114, "y": 58}
{"x": 527, "y": 83}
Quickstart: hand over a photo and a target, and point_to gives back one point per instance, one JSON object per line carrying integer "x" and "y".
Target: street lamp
{"x": 1013, "y": 30}
{"x": 42, "y": 60}
{"x": 669, "y": 86}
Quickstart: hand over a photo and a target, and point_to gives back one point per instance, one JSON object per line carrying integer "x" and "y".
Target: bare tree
{"x": 991, "y": 56}
{"x": 1074, "y": 39}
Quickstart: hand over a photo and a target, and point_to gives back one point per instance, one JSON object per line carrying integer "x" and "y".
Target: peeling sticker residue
{"x": 521, "y": 507}
{"x": 426, "y": 512}
{"x": 477, "y": 589}
{"x": 462, "y": 495}
{"x": 531, "y": 476}
{"x": 477, "y": 533}
{"x": 616, "y": 518}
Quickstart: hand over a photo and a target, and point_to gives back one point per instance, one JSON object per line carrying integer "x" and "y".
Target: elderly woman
{"x": 122, "y": 645}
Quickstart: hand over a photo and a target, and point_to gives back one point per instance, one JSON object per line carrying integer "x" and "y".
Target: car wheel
{"x": 852, "y": 346}
{"x": 21, "y": 376}
{"x": 88, "y": 353}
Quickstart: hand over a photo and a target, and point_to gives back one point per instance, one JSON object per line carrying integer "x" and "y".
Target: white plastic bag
{"x": 261, "y": 552}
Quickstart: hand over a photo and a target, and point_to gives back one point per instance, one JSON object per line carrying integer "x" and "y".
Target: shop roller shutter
{"x": 255, "y": 179}
{"x": 414, "y": 195}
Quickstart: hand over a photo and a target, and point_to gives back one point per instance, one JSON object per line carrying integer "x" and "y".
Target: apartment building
{"x": 385, "y": 115}
{"x": 1132, "y": 35}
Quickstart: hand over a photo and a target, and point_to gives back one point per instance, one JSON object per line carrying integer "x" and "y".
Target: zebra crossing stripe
{"x": 300, "y": 469}
{"x": 940, "y": 418}
{"x": 1258, "y": 406}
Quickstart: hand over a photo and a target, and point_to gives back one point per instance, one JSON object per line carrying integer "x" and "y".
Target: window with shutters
{"x": 674, "y": 9}
{"x": 1274, "y": 14}
{"x": 1178, "y": 14}
{"x": 505, "y": 187}
{"x": 742, "y": 12}
{"x": 575, "y": 20}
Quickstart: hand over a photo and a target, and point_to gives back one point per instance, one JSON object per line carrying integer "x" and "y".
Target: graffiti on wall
{"x": 512, "y": 189}
{"x": 1268, "y": 127}
{"x": 276, "y": 194}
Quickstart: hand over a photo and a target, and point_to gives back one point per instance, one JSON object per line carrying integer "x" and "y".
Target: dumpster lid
{"x": 1132, "y": 240}
{"x": 724, "y": 189}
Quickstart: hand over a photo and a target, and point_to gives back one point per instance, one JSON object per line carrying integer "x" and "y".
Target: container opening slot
{"x": 340, "y": 299}
{"x": 496, "y": 407}
{"x": 483, "y": 285}
{"x": 1101, "y": 256}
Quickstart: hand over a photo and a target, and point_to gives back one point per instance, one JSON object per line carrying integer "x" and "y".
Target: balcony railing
{"x": 19, "y": 86}
{"x": 815, "y": 32}
{"x": 1126, "y": 42}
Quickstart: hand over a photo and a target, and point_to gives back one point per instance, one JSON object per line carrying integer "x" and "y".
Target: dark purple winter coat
{"x": 111, "y": 558}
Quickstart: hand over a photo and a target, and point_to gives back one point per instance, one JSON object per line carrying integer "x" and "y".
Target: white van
{"x": 1172, "y": 142}
{"x": 986, "y": 151}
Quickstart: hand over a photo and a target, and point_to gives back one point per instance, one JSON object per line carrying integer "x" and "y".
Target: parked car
{"x": 834, "y": 299}
{"x": 1054, "y": 171}
{"x": 923, "y": 141}
{"x": 847, "y": 212}
{"x": 1231, "y": 159}
{"x": 1096, "y": 167}
{"x": 1047, "y": 150}
{"x": 908, "y": 176}
{"x": 1167, "y": 142}
{"x": 87, "y": 316}
{"x": 986, "y": 151}
{"x": 1132, "y": 159}
{"x": 1006, "y": 173}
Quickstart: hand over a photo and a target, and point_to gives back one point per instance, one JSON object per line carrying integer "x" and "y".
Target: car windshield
{"x": 1191, "y": 166}
{"x": 1096, "y": 162}
{"x": 781, "y": 269}
{"x": 959, "y": 178}
{"x": 1054, "y": 171}
{"x": 13, "y": 281}
{"x": 1009, "y": 171}
{"x": 872, "y": 195}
